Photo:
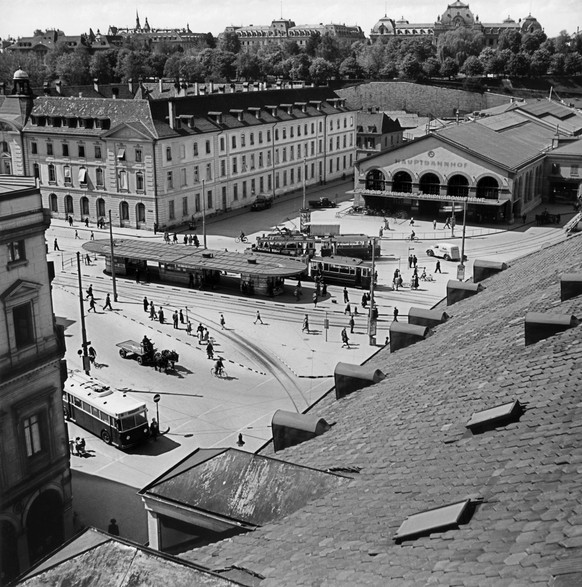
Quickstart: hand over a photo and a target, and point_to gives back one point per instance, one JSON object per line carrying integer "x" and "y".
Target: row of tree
{"x": 322, "y": 58}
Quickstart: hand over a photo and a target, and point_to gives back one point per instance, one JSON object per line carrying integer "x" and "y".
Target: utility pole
{"x": 203, "y": 214}
{"x": 371, "y": 311}
{"x": 461, "y": 267}
{"x": 111, "y": 247}
{"x": 85, "y": 343}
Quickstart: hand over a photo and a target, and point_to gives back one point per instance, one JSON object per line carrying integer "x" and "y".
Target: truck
{"x": 322, "y": 203}
{"x": 323, "y": 229}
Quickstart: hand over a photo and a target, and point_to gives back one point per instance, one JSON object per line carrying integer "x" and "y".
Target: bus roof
{"x": 340, "y": 260}
{"x": 97, "y": 394}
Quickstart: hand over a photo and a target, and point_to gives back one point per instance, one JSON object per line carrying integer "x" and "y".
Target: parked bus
{"x": 341, "y": 271}
{"x": 293, "y": 244}
{"x": 351, "y": 245}
{"x": 115, "y": 417}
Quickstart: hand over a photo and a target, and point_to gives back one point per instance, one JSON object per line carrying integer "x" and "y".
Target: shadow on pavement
{"x": 153, "y": 448}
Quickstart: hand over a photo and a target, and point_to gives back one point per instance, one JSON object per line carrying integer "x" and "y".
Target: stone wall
{"x": 419, "y": 99}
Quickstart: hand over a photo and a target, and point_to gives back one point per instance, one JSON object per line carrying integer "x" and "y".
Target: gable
{"x": 20, "y": 290}
{"x": 127, "y": 132}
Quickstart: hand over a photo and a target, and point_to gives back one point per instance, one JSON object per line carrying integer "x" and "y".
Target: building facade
{"x": 281, "y": 30}
{"x": 35, "y": 478}
{"x": 161, "y": 162}
{"x": 375, "y": 133}
{"x": 456, "y": 15}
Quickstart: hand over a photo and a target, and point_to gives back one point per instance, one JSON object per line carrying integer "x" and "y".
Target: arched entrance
{"x": 84, "y": 206}
{"x": 69, "y": 205}
{"x": 54, "y": 203}
{"x": 458, "y": 186}
{"x": 488, "y": 187}
{"x": 140, "y": 213}
{"x": 429, "y": 184}
{"x": 402, "y": 182}
{"x": 375, "y": 180}
{"x": 123, "y": 213}
{"x": 100, "y": 208}
{"x": 10, "y": 568}
{"x": 44, "y": 525}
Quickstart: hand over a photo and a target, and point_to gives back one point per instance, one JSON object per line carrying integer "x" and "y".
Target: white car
{"x": 447, "y": 251}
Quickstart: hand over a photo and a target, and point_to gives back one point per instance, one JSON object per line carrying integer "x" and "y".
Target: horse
{"x": 165, "y": 360}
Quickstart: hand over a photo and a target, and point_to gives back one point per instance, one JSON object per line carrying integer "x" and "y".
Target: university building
{"x": 456, "y": 15}
{"x": 35, "y": 478}
{"x": 168, "y": 156}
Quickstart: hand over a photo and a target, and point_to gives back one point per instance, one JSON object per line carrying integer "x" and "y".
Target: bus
{"x": 351, "y": 245}
{"x": 115, "y": 417}
{"x": 341, "y": 271}
{"x": 292, "y": 244}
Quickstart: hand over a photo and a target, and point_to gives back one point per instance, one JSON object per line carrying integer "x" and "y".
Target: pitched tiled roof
{"x": 507, "y": 151}
{"x": 408, "y": 438}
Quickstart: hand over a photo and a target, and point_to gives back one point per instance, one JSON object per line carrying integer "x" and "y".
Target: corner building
{"x": 35, "y": 478}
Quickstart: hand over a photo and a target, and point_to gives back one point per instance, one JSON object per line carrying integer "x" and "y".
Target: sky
{"x": 21, "y": 17}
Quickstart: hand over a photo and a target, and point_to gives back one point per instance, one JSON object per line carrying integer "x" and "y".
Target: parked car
{"x": 447, "y": 251}
{"x": 322, "y": 203}
{"x": 262, "y": 202}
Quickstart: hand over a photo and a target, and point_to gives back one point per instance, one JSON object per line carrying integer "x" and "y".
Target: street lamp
{"x": 112, "y": 258}
{"x": 86, "y": 343}
{"x": 461, "y": 267}
{"x": 203, "y": 214}
{"x": 371, "y": 311}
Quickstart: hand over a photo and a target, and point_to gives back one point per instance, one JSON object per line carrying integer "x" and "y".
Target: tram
{"x": 292, "y": 244}
{"x": 351, "y": 245}
{"x": 341, "y": 271}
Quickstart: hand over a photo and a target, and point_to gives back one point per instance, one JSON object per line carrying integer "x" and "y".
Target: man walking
{"x": 56, "y": 245}
{"x": 153, "y": 314}
{"x": 305, "y": 324}
{"x": 258, "y": 318}
{"x": 438, "y": 267}
{"x": 315, "y": 299}
{"x": 222, "y": 322}
{"x": 92, "y": 305}
{"x": 346, "y": 295}
{"x": 145, "y": 304}
{"x": 345, "y": 339}
{"x": 352, "y": 324}
{"x": 161, "y": 315}
{"x": 396, "y": 314}
{"x": 108, "y": 305}
{"x": 175, "y": 319}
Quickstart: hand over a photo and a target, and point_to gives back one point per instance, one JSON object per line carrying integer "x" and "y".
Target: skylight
{"x": 495, "y": 416}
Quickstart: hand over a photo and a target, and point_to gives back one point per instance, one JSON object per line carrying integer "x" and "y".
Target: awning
{"x": 121, "y": 154}
{"x": 83, "y": 175}
{"x": 432, "y": 197}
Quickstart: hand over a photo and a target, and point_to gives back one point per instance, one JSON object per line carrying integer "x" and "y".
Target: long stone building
{"x": 152, "y": 159}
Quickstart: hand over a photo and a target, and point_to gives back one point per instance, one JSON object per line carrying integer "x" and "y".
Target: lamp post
{"x": 304, "y": 213}
{"x": 112, "y": 258}
{"x": 86, "y": 343}
{"x": 461, "y": 267}
{"x": 371, "y": 311}
{"x": 203, "y": 214}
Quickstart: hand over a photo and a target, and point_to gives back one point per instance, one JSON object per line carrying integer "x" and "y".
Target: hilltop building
{"x": 281, "y": 30}
{"x": 35, "y": 478}
{"x": 151, "y": 159}
{"x": 456, "y": 15}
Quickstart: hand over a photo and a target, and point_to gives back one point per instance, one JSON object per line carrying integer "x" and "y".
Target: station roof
{"x": 192, "y": 258}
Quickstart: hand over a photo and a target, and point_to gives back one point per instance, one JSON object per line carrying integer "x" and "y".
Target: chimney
{"x": 211, "y": 89}
{"x": 96, "y": 84}
{"x": 130, "y": 85}
{"x": 161, "y": 85}
{"x": 196, "y": 90}
{"x": 114, "y": 93}
{"x": 58, "y": 86}
{"x": 171, "y": 114}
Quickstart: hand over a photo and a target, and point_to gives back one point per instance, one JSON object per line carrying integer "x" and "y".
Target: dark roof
{"x": 510, "y": 152}
{"x": 248, "y": 489}
{"x": 406, "y": 435}
{"x": 376, "y": 123}
{"x": 97, "y": 558}
{"x": 193, "y": 258}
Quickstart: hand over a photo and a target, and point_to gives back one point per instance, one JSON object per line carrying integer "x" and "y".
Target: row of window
{"x": 100, "y": 209}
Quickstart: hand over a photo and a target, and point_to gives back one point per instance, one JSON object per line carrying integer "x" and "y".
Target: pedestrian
{"x": 107, "y": 305}
{"x": 175, "y": 319}
{"x": 56, "y": 245}
{"x": 352, "y": 324}
{"x": 348, "y": 309}
{"x": 137, "y": 275}
{"x": 395, "y": 314}
{"x": 437, "y": 269}
{"x": 145, "y": 304}
{"x": 346, "y": 295}
{"x": 77, "y": 234}
{"x": 190, "y": 280}
{"x": 92, "y": 236}
{"x": 190, "y": 240}
{"x": 258, "y": 318}
{"x": 153, "y": 314}
{"x": 154, "y": 429}
{"x": 210, "y": 350}
{"x": 87, "y": 259}
{"x": 414, "y": 260}
{"x": 315, "y": 299}
{"x": 411, "y": 221}
{"x": 185, "y": 239}
{"x": 323, "y": 288}
{"x": 92, "y": 355}
{"x": 92, "y": 305}
{"x": 161, "y": 315}
{"x": 318, "y": 288}
{"x": 175, "y": 239}
{"x": 364, "y": 300}
{"x": 182, "y": 321}
{"x": 381, "y": 232}
{"x": 447, "y": 223}
{"x": 345, "y": 339}
{"x": 113, "y": 527}
{"x": 70, "y": 219}
{"x": 222, "y": 322}
{"x": 410, "y": 261}
{"x": 305, "y": 326}
{"x": 414, "y": 284}
{"x": 87, "y": 222}
{"x": 400, "y": 281}
{"x": 434, "y": 224}
{"x": 89, "y": 292}
{"x": 189, "y": 328}
{"x": 386, "y": 224}
{"x": 80, "y": 446}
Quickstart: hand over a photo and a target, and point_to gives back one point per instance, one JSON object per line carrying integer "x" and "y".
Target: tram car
{"x": 292, "y": 244}
{"x": 341, "y": 270}
{"x": 351, "y": 245}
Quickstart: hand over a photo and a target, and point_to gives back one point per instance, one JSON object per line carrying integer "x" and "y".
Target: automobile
{"x": 322, "y": 203}
{"x": 262, "y": 202}
{"x": 447, "y": 251}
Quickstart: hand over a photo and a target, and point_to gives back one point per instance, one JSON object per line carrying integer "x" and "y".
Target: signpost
{"x": 157, "y": 398}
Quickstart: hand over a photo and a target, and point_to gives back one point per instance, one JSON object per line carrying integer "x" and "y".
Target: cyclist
{"x": 218, "y": 366}
{"x": 412, "y": 235}
{"x": 242, "y": 236}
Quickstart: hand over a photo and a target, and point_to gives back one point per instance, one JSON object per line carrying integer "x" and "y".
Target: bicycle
{"x": 413, "y": 238}
{"x": 241, "y": 239}
{"x": 221, "y": 374}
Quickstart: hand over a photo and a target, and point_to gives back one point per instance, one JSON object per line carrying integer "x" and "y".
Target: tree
{"x": 573, "y": 64}
{"x": 449, "y": 68}
{"x": 459, "y": 44}
{"x": 531, "y": 42}
{"x": 350, "y": 69}
{"x": 472, "y": 66}
{"x": 321, "y": 70}
{"x": 312, "y": 44}
{"x": 431, "y": 67}
{"x": 558, "y": 64}
{"x": 131, "y": 65}
{"x": 248, "y": 66}
{"x": 540, "y": 62}
{"x": 102, "y": 66}
{"x": 229, "y": 42}
{"x": 299, "y": 69}
{"x": 509, "y": 39}
{"x": 328, "y": 48}
{"x": 291, "y": 48}
{"x": 410, "y": 68}
{"x": 73, "y": 67}
{"x": 210, "y": 41}
{"x": 518, "y": 65}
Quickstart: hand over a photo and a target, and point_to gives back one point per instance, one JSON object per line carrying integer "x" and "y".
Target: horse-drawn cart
{"x": 130, "y": 349}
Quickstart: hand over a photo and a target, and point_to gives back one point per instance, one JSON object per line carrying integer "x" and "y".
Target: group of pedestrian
{"x": 412, "y": 261}
{"x": 101, "y": 223}
{"x": 93, "y": 305}
{"x": 397, "y": 281}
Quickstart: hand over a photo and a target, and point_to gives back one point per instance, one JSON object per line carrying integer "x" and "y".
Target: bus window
{"x": 77, "y": 402}
{"x": 86, "y": 407}
{"x": 95, "y": 412}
